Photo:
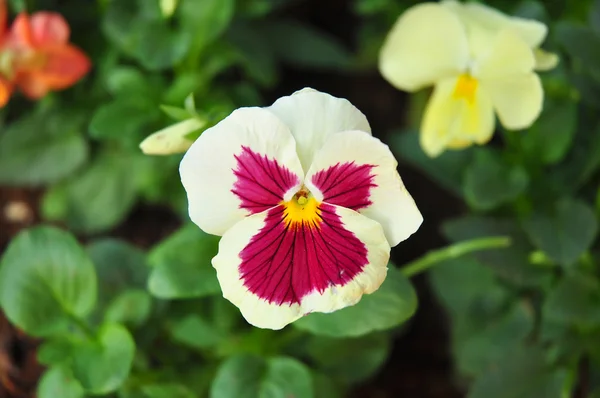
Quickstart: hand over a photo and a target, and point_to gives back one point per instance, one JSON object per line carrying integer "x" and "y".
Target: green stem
{"x": 453, "y": 251}
{"x": 82, "y": 326}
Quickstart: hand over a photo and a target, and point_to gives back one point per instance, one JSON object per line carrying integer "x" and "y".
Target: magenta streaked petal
{"x": 285, "y": 262}
{"x": 346, "y": 184}
{"x": 261, "y": 182}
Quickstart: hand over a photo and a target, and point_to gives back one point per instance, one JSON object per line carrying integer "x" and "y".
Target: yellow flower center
{"x": 466, "y": 88}
{"x": 303, "y": 208}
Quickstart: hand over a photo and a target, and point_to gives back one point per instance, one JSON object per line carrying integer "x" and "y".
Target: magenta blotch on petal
{"x": 346, "y": 184}
{"x": 261, "y": 182}
{"x": 288, "y": 260}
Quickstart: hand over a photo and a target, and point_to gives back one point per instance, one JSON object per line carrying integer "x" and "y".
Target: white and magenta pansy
{"x": 308, "y": 203}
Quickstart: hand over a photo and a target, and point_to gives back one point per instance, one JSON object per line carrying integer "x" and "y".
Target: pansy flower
{"x": 36, "y": 56}
{"x": 307, "y": 201}
{"x": 480, "y": 62}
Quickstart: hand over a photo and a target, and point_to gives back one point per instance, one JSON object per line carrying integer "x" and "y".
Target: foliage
{"x": 121, "y": 321}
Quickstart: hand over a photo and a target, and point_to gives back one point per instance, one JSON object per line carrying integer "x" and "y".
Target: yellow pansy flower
{"x": 480, "y": 62}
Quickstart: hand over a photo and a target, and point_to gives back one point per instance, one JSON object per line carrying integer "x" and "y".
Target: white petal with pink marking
{"x": 245, "y": 164}
{"x": 357, "y": 171}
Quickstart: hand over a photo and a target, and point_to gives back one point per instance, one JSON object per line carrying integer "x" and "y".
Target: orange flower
{"x": 36, "y": 55}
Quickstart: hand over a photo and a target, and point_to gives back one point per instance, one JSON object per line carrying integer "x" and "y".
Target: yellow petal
{"x": 451, "y": 121}
{"x": 509, "y": 55}
{"x": 476, "y": 14}
{"x": 427, "y": 43}
{"x": 518, "y": 99}
{"x": 171, "y": 139}
{"x": 545, "y": 60}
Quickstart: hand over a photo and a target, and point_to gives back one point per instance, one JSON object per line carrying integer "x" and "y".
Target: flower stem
{"x": 453, "y": 251}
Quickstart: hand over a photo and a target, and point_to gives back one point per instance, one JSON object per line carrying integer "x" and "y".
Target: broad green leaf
{"x": 179, "y": 114}
{"x": 511, "y": 263}
{"x": 551, "y": 136}
{"x": 205, "y": 20}
{"x": 564, "y": 232}
{"x": 463, "y": 283}
{"x": 59, "y": 382}
{"x": 490, "y": 181}
{"x": 594, "y": 16}
{"x": 119, "y": 266}
{"x": 181, "y": 265}
{"x": 99, "y": 197}
{"x": 325, "y": 387}
{"x": 350, "y": 360}
{"x": 575, "y": 300}
{"x": 303, "y": 46}
{"x": 580, "y": 42}
{"x": 44, "y": 276}
{"x": 56, "y": 350}
{"x": 42, "y": 148}
{"x": 522, "y": 373}
{"x": 167, "y": 391}
{"x": 102, "y": 366}
{"x": 124, "y": 120}
{"x": 480, "y": 340}
{"x": 128, "y": 81}
{"x": 162, "y": 46}
{"x": 253, "y": 377}
{"x": 132, "y": 307}
{"x": 195, "y": 332}
{"x": 531, "y": 9}
{"x": 392, "y": 304}
{"x": 447, "y": 169}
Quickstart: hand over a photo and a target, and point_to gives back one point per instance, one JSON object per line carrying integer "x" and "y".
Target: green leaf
{"x": 99, "y": 197}
{"x": 132, "y": 307}
{"x": 195, "y": 332}
{"x": 565, "y": 232}
{"x": 119, "y": 266}
{"x": 481, "y": 339}
{"x": 128, "y": 81}
{"x": 205, "y": 20}
{"x": 575, "y": 300}
{"x": 42, "y": 148}
{"x": 325, "y": 387}
{"x": 511, "y": 263}
{"x": 550, "y": 138}
{"x": 522, "y": 373}
{"x": 162, "y": 47}
{"x": 594, "y": 16}
{"x": 181, "y": 265}
{"x": 170, "y": 390}
{"x": 179, "y": 114}
{"x": 45, "y": 276}
{"x": 102, "y": 366}
{"x": 303, "y": 46}
{"x": 59, "y": 382}
{"x": 350, "y": 360}
{"x": 56, "y": 350}
{"x": 123, "y": 120}
{"x": 447, "y": 169}
{"x": 257, "y": 57}
{"x": 463, "y": 283}
{"x": 392, "y": 304}
{"x": 579, "y": 42}
{"x": 490, "y": 181}
{"x": 249, "y": 376}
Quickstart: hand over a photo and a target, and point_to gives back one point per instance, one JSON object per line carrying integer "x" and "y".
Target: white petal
{"x": 243, "y": 165}
{"x": 357, "y": 171}
{"x": 479, "y": 16}
{"x": 427, "y": 43}
{"x": 276, "y": 275}
{"x": 312, "y": 115}
{"x": 508, "y": 56}
{"x": 449, "y": 122}
{"x": 171, "y": 139}
{"x": 518, "y": 100}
